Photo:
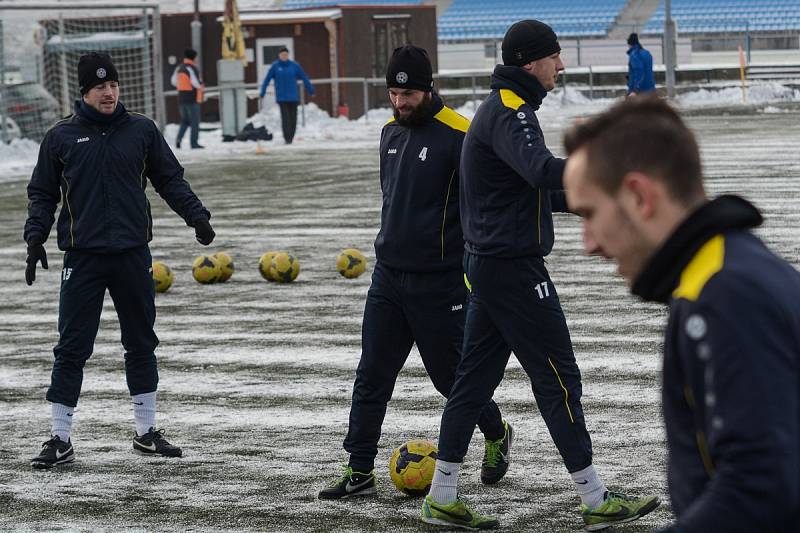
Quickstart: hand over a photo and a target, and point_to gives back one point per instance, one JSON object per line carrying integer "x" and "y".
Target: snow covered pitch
{"x": 256, "y": 377}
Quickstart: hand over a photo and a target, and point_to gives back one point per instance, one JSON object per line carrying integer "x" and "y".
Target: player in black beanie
{"x": 417, "y": 295}
{"x": 95, "y": 68}
{"x": 409, "y": 78}
{"x": 526, "y": 43}
{"x": 510, "y": 185}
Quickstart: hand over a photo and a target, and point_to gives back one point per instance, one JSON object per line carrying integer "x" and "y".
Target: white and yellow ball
{"x": 226, "y": 268}
{"x": 351, "y": 263}
{"x": 412, "y": 465}
{"x": 205, "y": 269}
{"x": 162, "y": 276}
{"x": 284, "y": 267}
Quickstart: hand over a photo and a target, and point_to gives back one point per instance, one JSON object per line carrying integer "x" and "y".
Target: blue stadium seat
{"x": 721, "y": 16}
{"x": 484, "y": 19}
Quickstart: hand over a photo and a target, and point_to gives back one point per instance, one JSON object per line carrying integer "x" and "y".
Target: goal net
{"x": 41, "y": 45}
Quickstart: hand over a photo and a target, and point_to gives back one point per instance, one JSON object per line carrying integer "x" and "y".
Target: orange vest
{"x": 182, "y": 79}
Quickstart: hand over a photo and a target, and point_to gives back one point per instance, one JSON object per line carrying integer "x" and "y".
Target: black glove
{"x": 36, "y": 253}
{"x": 203, "y": 231}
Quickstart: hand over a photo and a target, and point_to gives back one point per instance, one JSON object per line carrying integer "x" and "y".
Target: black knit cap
{"x": 93, "y": 69}
{"x": 410, "y": 68}
{"x": 528, "y": 40}
{"x": 633, "y": 39}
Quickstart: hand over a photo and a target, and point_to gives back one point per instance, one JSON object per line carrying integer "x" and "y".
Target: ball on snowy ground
{"x": 205, "y": 269}
{"x": 264, "y": 264}
{"x": 226, "y": 268}
{"x": 351, "y": 263}
{"x": 162, "y": 276}
{"x": 284, "y": 267}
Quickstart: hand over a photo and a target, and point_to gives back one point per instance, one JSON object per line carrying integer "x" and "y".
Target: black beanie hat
{"x": 410, "y": 68}
{"x": 633, "y": 39}
{"x": 528, "y": 40}
{"x": 93, "y": 69}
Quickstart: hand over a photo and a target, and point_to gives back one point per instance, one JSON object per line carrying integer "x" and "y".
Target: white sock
{"x": 144, "y": 412}
{"x": 444, "y": 488}
{"x": 591, "y": 490}
{"x": 62, "y": 421}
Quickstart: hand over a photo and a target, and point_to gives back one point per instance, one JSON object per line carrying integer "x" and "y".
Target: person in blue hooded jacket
{"x": 98, "y": 161}
{"x": 640, "y": 68}
{"x": 286, "y": 72}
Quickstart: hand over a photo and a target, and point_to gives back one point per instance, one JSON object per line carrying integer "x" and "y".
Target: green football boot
{"x": 496, "y": 456}
{"x": 456, "y": 514}
{"x": 351, "y": 484}
{"x": 617, "y": 509}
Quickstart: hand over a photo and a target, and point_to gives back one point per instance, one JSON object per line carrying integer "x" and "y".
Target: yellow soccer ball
{"x": 226, "y": 268}
{"x": 284, "y": 267}
{"x": 351, "y": 263}
{"x": 162, "y": 277}
{"x": 205, "y": 269}
{"x": 411, "y": 466}
{"x": 264, "y": 264}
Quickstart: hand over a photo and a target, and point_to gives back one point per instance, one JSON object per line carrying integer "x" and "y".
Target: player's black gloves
{"x": 203, "y": 231}
{"x": 36, "y": 253}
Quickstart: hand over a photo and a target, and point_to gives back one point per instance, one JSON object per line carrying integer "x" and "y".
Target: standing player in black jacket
{"x": 510, "y": 184}
{"x": 417, "y": 292}
{"x": 731, "y": 381}
{"x": 98, "y": 161}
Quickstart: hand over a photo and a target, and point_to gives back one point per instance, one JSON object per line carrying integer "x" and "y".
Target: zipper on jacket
{"x": 446, "y": 201}
{"x": 147, "y": 218}
{"x": 66, "y": 201}
{"x": 539, "y": 217}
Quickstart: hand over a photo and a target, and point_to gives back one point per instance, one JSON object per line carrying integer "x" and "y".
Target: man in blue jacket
{"x": 731, "y": 379}
{"x": 98, "y": 161}
{"x": 286, "y": 72}
{"x": 640, "y": 68}
{"x": 510, "y": 184}
{"x": 417, "y": 293}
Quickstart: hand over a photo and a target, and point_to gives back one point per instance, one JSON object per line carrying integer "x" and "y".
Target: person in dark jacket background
{"x": 417, "y": 292}
{"x": 510, "y": 183}
{"x": 640, "y": 68}
{"x": 286, "y": 72}
{"x": 731, "y": 384}
{"x": 186, "y": 78}
{"x": 97, "y": 161}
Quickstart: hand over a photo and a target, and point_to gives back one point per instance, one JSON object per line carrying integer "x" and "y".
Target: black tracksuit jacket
{"x": 510, "y": 182}
{"x": 99, "y": 166}
{"x": 731, "y": 382}
{"x": 420, "y": 227}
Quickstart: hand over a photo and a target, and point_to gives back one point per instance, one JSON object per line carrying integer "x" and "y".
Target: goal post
{"x": 42, "y": 45}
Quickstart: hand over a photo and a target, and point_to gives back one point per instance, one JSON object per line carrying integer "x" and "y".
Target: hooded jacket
{"x": 99, "y": 166}
{"x": 640, "y": 70}
{"x": 731, "y": 381}
{"x": 510, "y": 182}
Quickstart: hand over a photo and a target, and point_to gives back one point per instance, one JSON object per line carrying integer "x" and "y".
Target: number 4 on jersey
{"x": 423, "y": 155}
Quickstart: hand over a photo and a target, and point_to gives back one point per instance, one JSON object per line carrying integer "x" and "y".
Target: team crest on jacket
{"x": 401, "y": 77}
{"x": 101, "y": 73}
{"x": 696, "y": 327}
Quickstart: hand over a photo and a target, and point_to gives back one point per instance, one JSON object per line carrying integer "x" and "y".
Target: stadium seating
{"x": 466, "y": 20}
{"x": 299, "y": 4}
{"x": 721, "y": 16}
